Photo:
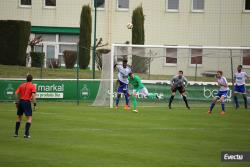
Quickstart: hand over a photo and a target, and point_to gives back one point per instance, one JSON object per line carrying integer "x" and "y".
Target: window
{"x": 25, "y": 3}
{"x": 47, "y": 37}
{"x": 63, "y": 47}
{"x": 247, "y": 5}
{"x": 196, "y": 56}
{"x": 246, "y": 57}
{"x": 68, "y": 38}
{"x": 68, "y": 42}
{"x": 172, "y": 5}
{"x": 39, "y": 48}
{"x": 50, "y": 51}
{"x": 50, "y": 3}
{"x": 123, "y": 4}
{"x": 171, "y": 56}
{"x": 197, "y": 5}
{"x": 99, "y": 4}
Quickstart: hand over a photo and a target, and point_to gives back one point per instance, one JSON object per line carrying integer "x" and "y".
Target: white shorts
{"x": 143, "y": 91}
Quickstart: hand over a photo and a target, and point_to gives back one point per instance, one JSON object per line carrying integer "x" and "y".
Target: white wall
{"x": 223, "y": 23}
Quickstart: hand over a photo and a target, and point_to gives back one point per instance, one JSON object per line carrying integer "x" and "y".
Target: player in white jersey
{"x": 222, "y": 93}
{"x": 123, "y": 73}
{"x": 239, "y": 86}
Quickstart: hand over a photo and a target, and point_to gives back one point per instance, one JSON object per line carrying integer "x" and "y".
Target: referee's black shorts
{"x": 24, "y": 106}
{"x": 181, "y": 89}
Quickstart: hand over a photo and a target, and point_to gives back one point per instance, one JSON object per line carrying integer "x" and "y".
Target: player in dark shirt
{"x": 179, "y": 83}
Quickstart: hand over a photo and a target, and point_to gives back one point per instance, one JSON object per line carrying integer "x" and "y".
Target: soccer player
{"x": 222, "y": 93}
{"x": 239, "y": 86}
{"x": 138, "y": 88}
{"x": 178, "y": 82}
{"x": 123, "y": 72}
{"x": 24, "y": 94}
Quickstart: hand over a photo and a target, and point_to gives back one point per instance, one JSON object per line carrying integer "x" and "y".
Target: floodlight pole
{"x": 94, "y": 45}
{"x": 195, "y": 75}
{"x": 232, "y": 72}
{"x": 77, "y": 74}
{"x": 111, "y": 76}
{"x": 42, "y": 63}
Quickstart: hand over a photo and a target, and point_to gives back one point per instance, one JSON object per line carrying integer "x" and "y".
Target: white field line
{"x": 150, "y": 129}
{"x": 46, "y": 113}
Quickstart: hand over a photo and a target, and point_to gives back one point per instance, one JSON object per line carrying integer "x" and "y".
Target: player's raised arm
{"x": 119, "y": 67}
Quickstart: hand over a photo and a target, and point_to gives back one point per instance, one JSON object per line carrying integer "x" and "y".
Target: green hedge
{"x": 37, "y": 59}
{"x": 14, "y": 36}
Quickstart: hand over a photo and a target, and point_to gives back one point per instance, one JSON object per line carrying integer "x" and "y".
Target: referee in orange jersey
{"x": 25, "y": 93}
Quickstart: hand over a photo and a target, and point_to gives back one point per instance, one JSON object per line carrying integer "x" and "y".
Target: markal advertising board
{"x": 52, "y": 89}
{"x": 66, "y": 90}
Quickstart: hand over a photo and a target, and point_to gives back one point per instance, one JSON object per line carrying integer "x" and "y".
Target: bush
{"x": 14, "y": 41}
{"x": 37, "y": 59}
{"x": 69, "y": 58}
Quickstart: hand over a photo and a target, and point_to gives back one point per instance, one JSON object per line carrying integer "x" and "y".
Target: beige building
{"x": 167, "y": 22}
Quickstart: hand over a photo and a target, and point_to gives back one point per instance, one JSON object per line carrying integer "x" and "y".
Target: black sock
{"x": 236, "y": 102}
{"x": 27, "y": 127}
{"x": 185, "y": 100}
{"x": 171, "y": 100}
{"x": 245, "y": 100}
{"x": 17, "y": 127}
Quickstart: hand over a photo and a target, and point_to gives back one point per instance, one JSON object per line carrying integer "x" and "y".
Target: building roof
{"x": 60, "y": 30}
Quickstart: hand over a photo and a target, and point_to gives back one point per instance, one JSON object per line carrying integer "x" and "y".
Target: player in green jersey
{"x": 139, "y": 88}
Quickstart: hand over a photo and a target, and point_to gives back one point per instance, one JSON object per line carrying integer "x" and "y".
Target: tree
{"x": 139, "y": 64}
{"x": 138, "y": 36}
{"x": 85, "y": 37}
{"x": 100, "y": 52}
{"x": 37, "y": 59}
{"x": 14, "y": 36}
{"x": 33, "y": 42}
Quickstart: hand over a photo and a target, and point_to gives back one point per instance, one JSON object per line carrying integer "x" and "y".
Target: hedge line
{"x": 14, "y": 36}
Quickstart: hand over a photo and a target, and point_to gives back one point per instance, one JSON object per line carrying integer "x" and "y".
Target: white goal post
{"x": 209, "y": 58}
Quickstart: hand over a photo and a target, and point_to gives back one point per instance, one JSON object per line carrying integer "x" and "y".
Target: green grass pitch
{"x": 63, "y": 135}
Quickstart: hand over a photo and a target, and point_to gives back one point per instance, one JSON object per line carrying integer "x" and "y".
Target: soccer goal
{"x": 158, "y": 63}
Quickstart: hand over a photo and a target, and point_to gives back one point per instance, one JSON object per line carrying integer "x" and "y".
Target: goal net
{"x": 156, "y": 64}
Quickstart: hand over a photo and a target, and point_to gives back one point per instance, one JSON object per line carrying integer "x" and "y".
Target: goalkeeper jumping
{"x": 139, "y": 88}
